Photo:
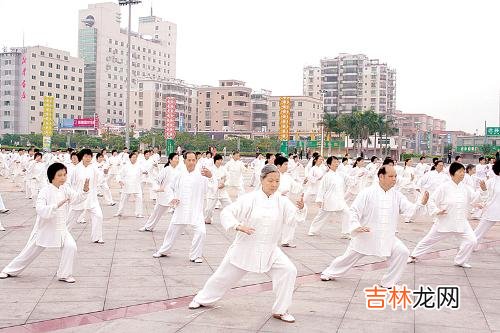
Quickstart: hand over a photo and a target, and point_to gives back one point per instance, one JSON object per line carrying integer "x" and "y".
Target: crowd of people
{"x": 366, "y": 200}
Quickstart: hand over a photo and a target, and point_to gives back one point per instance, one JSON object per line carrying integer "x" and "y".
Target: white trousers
{"x": 173, "y": 232}
{"x": 323, "y": 216}
{"x": 96, "y": 218}
{"x": 482, "y": 228}
{"x": 397, "y": 264}
{"x": 283, "y": 273}
{"x": 212, "y": 202}
{"x": 2, "y": 205}
{"x": 106, "y": 192}
{"x": 31, "y": 251}
{"x": 157, "y": 213}
{"x": 138, "y": 202}
{"x": 467, "y": 245}
{"x": 27, "y": 189}
{"x": 235, "y": 191}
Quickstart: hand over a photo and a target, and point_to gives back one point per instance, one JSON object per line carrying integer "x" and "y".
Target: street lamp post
{"x": 129, "y": 55}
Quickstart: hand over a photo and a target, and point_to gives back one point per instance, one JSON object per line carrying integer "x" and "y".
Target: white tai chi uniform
{"x": 215, "y": 193}
{"x": 78, "y": 176}
{"x": 190, "y": 188}
{"x": 131, "y": 176}
{"x": 103, "y": 186}
{"x": 258, "y": 252}
{"x": 431, "y": 181}
{"x": 38, "y": 179}
{"x": 313, "y": 180}
{"x": 378, "y": 210}
{"x": 288, "y": 186}
{"x": 234, "y": 182}
{"x": 491, "y": 211}
{"x": 456, "y": 200}
{"x": 331, "y": 194}
{"x": 164, "y": 194}
{"x": 50, "y": 230}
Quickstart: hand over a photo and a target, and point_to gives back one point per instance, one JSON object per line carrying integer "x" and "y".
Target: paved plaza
{"x": 121, "y": 288}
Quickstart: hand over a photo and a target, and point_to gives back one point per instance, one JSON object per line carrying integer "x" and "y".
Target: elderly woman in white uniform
{"x": 258, "y": 218}
{"x": 50, "y": 230}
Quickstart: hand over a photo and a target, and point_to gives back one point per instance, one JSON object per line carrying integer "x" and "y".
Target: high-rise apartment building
{"x": 260, "y": 110}
{"x": 305, "y": 114}
{"x": 355, "y": 82}
{"x": 102, "y": 44}
{"x": 312, "y": 81}
{"x": 226, "y": 108}
{"x": 27, "y": 74}
{"x": 148, "y": 104}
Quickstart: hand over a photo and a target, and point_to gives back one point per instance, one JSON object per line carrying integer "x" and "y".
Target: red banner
{"x": 170, "y": 112}
{"x": 86, "y": 122}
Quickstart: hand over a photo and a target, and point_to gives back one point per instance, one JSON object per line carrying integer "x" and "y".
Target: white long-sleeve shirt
{"x": 235, "y": 171}
{"x": 78, "y": 176}
{"x": 220, "y": 176}
{"x": 431, "y": 181}
{"x": 491, "y": 211}
{"x": 50, "y": 228}
{"x": 163, "y": 181}
{"x": 131, "y": 176}
{"x": 456, "y": 200}
{"x": 257, "y": 252}
{"x": 378, "y": 210}
{"x": 331, "y": 191}
{"x": 190, "y": 188}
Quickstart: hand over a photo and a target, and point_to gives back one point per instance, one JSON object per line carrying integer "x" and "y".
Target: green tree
{"x": 487, "y": 149}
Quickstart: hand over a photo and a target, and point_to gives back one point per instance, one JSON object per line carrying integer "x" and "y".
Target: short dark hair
{"x": 382, "y": 170}
{"x": 218, "y": 157}
{"x": 330, "y": 159}
{"x": 170, "y": 158}
{"x": 344, "y": 159}
{"x": 434, "y": 159}
{"x": 358, "y": 159}
{"x": 407, "y": 160}
{"x": 481, "y": 158}
{"x": 280, "y": 160}
{"x": 257, "y": 154}
{"x": 454, "y": 167}
{"x": 37, "y": 154}
{"x": 73, "y": 154}
{"x": 209, "y": 152}
{"x": 186, "y": 153}
{"x": 83, "y": 152}
{"x": 496, "y": 168}
{"x": 98, "y": 155}
{"x": 113, "y": 151}
{"x": 422, "y": 158}
{"x": 373, "y": 158}
{"x": 52, "y": 170}
{"x": 132, "y": 153}
{"x": 236, "y": 152}
{"x": 457, "y": 157}
{"x": 469, "y": 167}
{"x": 387, "y": 161}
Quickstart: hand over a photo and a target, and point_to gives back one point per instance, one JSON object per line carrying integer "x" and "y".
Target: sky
{"x": 446, "y": 53}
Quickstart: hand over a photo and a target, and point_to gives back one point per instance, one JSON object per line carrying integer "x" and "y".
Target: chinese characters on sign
{"x": 23, "y": 77}
{"x": 492, "y": 131}
{"x": 170, "y": 112}
{"x": 47, "y": 121}
{"x": 378, "y": 298}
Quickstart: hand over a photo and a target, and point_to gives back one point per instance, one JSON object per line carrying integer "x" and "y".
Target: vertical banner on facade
{"x": 169, "y": 134}
{"x": 284, "y": 129}
{"x": 47, "y": 121}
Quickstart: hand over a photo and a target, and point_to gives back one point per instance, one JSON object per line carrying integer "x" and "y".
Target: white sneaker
{"x": 464, "y": 265}
{"x": 197, "y": 260}
{"x": 117, "y": 214}
{"x": 69, "y": 279}
{"x": 4, "y": 275}
{"x": 311, "y": 234}
{"x": 99, "y": 242}
{"x": 286, "y": 317}
{"x": 2, "y": 228}
{"x": 324, "y": 277}
{"x": 194, "y": 305}
{"x": 159, "y": 255}
{"x": 139, "y": 216}
{"x": 345, "y": 236}
{"x": 145, "y": 229}
{"x": 112, "y": 204}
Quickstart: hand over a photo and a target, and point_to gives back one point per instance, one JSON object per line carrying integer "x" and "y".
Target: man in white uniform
{"x": 374, "y": 215}
{"x": 190, "y": 188}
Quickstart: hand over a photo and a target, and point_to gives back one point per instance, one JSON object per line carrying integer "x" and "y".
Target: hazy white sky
{"x": 446, "y": 53}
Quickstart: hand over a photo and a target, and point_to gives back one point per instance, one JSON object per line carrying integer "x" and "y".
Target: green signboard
{"x": 473, "y": 149}
{"x": 492, "y": 131}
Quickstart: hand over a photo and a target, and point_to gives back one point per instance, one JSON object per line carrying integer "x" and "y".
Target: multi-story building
{"x": 260, "y": 110}
{"x": 305, "y": 115}
{"x": 148, "y": 104}
{"x": 27, "y": 74}
{"x": 103, "y": 46}
{"x": 226, "y": 108}
{"x": 311, "y": 85}
{"x": 355, "y": 82}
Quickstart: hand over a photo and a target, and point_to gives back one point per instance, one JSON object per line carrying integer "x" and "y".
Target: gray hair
{"x": 267, "y": 169}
